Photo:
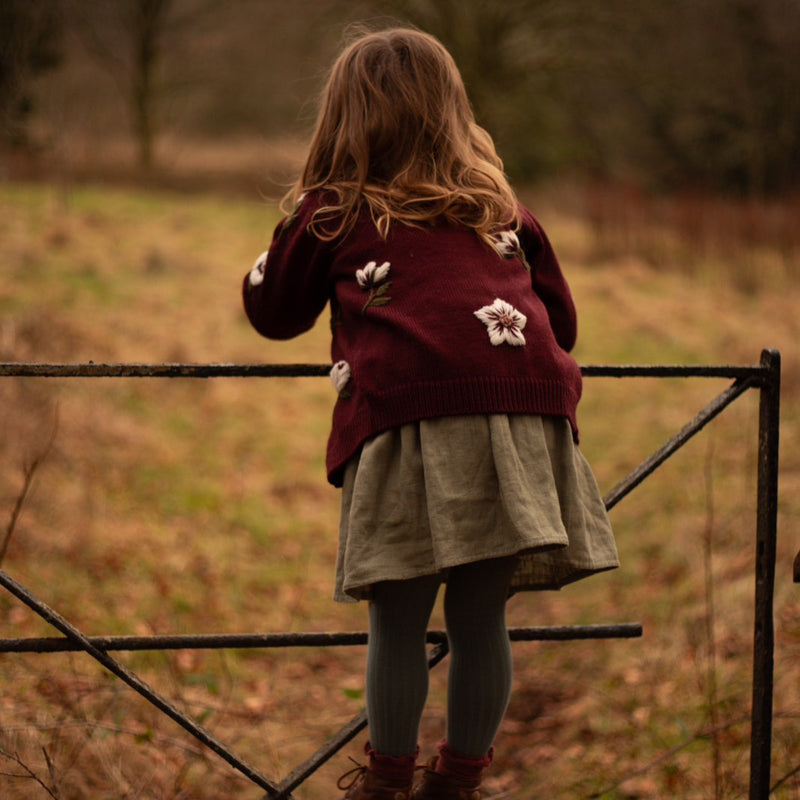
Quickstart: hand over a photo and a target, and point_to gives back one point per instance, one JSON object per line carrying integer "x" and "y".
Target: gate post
{"x": 766, "y": 547}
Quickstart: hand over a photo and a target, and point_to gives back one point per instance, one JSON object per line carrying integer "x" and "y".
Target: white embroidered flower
{"x": 372, "y": 274}
{"x": 504, "y": 322}
{"x": 257, "y": 273}
{"x": 340, "y": 375}
{"x": 507, "y": 244}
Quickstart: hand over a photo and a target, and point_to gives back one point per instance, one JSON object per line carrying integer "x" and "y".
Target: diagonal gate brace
{"x": 122, "y": 672}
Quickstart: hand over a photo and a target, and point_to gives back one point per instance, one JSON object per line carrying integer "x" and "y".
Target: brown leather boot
{"x": 450, "y": 776}
{"x": 385, "y": 778}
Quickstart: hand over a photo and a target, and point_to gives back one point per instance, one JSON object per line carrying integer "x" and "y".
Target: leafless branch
{"x": 52, "y": 770}
{"x": 29, "y": 773}
{"x": 710, "y": 618}
{"x": 790, "y": 774}
{"x": 29, "y": 473}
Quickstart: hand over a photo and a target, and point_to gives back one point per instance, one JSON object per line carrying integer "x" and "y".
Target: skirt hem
{"x": 355, "y": 593}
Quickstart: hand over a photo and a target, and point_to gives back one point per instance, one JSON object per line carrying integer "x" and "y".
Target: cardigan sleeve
{"x": 548, "y": 280}
{"x": 288, "y": 287}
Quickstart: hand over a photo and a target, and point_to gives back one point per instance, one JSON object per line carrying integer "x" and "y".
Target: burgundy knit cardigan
{"x": 429, "y": 322}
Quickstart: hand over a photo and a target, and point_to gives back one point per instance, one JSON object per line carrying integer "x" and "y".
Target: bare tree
{"x": 131, "y": 39}
{"x": 29, "y": 44}
{"x": 148, "y": 18}
{"x": 125, "y": 38}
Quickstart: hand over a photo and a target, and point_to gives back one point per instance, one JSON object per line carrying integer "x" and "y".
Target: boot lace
{"x": 358, "y": 772}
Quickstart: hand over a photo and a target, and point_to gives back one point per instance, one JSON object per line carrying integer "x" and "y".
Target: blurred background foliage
{"x": 668, "y": 95}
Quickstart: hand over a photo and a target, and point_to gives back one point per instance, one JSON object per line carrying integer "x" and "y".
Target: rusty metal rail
{"x": 21, "y": 369}
{"x": 764, "y": 377}
{"x": 245, "y": 641}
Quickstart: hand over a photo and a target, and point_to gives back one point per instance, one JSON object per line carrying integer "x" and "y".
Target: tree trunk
{"x": 148, "y": 19}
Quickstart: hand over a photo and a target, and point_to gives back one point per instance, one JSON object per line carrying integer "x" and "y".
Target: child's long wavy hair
{"x": 396, "y": 132}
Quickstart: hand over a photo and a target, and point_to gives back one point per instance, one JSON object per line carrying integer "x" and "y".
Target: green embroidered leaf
{"x": 380, "y": 301}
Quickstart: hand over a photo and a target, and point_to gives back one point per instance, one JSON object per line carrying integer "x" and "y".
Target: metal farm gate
{"x": 764, "y": 377}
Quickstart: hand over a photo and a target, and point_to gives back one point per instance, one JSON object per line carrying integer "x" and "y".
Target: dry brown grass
{"x": 200, "y": 506}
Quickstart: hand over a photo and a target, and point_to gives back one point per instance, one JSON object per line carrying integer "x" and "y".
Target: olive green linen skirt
{"x": 434, "y": 494}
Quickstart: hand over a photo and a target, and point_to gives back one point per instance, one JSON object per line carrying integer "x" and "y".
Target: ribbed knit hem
{"x": 447, "y": 398}
{"x": 466, "y": 395}
{"x": 395, "y": 769}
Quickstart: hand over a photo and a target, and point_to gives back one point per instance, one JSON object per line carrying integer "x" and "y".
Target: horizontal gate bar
{"x": 55, "y": 644}
{"x": 92, "y": 370}
{"x": 117, "y": 370}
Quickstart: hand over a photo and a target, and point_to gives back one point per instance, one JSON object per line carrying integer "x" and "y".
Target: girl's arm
{"x": 288, "y": 287}
{"x": 548, "y": 280}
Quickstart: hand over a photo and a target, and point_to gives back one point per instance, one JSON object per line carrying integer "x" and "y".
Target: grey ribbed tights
{"x": 479, "y": 679}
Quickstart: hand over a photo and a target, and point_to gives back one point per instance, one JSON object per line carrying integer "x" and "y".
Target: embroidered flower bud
{"x": 257, "y": 273}
{"x": 340, "y": 376}
{"x": 503, "y": 322}
{"x": 372, "y": 279}
{"x": 507, "y": 244}
{"x": 372, "y": 274}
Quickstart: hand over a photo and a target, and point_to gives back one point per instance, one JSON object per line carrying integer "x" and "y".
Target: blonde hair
{"x": 396, "y": 132}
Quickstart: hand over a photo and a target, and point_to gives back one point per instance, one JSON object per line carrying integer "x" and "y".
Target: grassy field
{"x": 189, "y": 506}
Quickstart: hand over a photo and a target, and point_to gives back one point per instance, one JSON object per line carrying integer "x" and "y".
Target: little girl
{"x": 454, "y": 433}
